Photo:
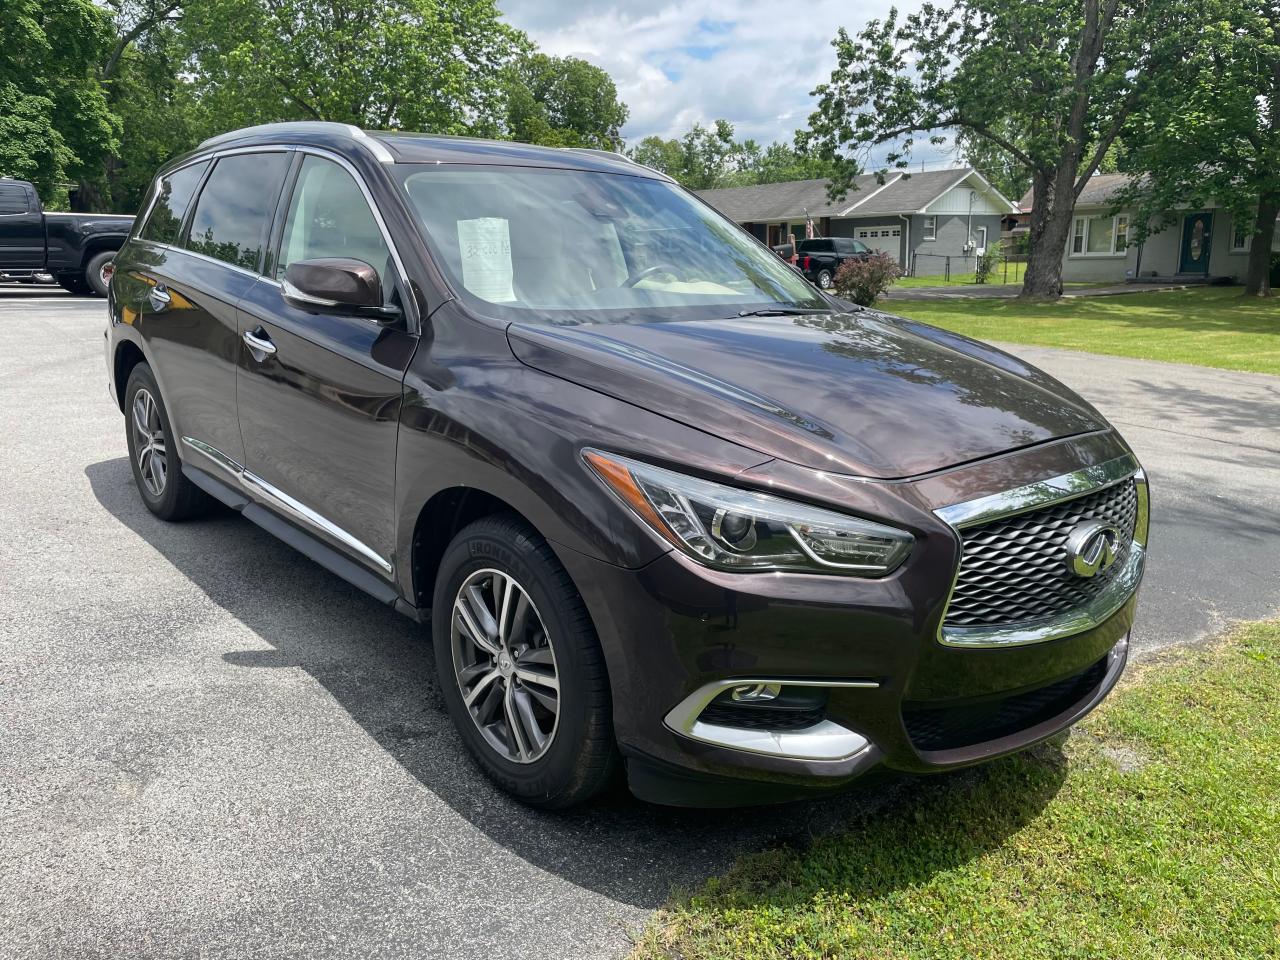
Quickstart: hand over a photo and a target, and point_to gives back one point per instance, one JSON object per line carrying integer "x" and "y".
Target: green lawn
{"x": 1152, "y": 832}
{"x": 1016, "y": 270}
{"x": 1213, "y": 326}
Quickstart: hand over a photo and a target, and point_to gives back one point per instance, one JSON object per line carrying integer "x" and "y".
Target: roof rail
{"x": 305, "y": 126}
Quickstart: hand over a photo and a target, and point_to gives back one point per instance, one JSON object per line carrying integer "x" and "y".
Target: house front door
{"x": 1197, "y": 230}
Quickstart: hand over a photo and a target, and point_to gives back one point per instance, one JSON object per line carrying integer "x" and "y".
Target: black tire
{"x": 177, "y": 498}
{"x": 824, "y": 279}
{"x": 93, "y": 271}
{"x": 582, "y": 756}
{"x": 74, "y": 283}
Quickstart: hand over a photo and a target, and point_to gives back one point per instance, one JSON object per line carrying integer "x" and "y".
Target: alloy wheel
{"x": 149, "y": 442}
{"x": 505, "y": 665}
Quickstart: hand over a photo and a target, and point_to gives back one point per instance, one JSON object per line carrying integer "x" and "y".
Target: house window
{"x": 930, "y": 228}
{"x": 1100, "y": 236}
{"x": 1239, "y": 235}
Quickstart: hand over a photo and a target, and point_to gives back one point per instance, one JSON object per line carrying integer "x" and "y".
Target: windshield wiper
{"x": 779, "y": 312}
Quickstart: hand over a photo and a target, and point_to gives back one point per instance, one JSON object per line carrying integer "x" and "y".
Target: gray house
{"x": 920, "y": 218}
{"x": 1204, "y": 243}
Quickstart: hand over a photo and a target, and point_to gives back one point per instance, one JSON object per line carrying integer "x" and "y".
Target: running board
{"x": 300, "y": 540}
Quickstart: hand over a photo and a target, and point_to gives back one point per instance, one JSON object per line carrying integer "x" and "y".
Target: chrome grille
{"x": 1013, "y": 570}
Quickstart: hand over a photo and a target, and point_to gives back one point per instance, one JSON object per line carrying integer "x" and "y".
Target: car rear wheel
{"x": 96, "y": 274}
{"x": 824, "y": 279}
{"x": 153, "y": 453}
{"x": 520, "y": 666}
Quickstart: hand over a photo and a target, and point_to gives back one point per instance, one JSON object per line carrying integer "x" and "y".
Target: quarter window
{"x": 173, "y": 195}
{"x": 235, "y": 206}
{"x": 930, "y": 231}
{"x": 329, "y": 217}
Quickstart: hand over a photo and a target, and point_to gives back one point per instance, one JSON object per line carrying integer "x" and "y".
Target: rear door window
{"x": 231, "y": 217}
{"x": 173, "y": 196}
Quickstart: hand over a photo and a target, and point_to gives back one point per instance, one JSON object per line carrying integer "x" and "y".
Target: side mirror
{"x": 337, "y": 285}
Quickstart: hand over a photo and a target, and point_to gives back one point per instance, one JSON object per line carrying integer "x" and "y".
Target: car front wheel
{"x": 824, "y": 279}
{"x": 520, "y": 666}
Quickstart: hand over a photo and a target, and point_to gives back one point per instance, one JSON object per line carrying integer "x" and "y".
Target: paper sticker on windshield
{"x": 485, "y": 245}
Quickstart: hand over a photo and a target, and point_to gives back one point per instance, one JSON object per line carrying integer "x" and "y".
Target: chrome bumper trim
{"x": 824, "y": 740}
{"x": 1034, "y": 496}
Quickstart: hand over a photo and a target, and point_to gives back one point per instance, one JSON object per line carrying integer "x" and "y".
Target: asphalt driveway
{"x": 211, "y": 747}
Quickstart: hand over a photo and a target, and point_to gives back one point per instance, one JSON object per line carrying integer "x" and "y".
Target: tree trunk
{"x": 1258, "y": 278}
{"x": 1052, "y": 205}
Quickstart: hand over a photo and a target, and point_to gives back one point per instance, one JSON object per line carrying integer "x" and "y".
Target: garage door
{"x": 885, "y": 239}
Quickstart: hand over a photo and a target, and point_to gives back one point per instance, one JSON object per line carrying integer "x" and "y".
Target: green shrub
{"x": 863, "y": 281}
{"x": 986, "y": 264}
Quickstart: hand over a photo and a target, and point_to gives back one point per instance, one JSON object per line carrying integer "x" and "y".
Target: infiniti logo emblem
{"x": 1091, "y": 548}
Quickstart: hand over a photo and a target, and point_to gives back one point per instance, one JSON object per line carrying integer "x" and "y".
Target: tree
{"x": 1064, "y": 75}
{"x": 1213, "y": 131}
{"x": 54, "y": 120}
{"x": 562, "y": 102}
{"x": 709, "y": 157}
{"x": 703, "y": 158}
{"x": 429, "y": 65}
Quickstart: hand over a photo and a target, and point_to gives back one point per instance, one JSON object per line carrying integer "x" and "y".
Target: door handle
{"x": 159, "y": 297}
{"x": 260, "y": 345}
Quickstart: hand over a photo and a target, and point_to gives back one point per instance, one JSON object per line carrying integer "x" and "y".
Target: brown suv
{"x": 665, "y": 506}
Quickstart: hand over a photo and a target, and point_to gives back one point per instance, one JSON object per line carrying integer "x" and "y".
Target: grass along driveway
{"x": 1212, "y": 326}
{"x": 1151, "y": 833}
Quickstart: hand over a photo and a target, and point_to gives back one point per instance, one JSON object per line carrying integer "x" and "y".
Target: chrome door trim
{"x": 823, "y": 741}
{"x": 261, "y": 490}
{"x": 1034, "y": 496}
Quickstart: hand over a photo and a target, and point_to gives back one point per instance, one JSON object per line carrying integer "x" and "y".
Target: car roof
{"x": 399, "y": 147}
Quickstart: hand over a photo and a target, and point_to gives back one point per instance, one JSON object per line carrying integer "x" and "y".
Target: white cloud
{"x": 751, "y": 62}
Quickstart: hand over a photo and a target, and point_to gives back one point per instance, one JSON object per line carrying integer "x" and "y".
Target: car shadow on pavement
{"x": 379, "y": 667}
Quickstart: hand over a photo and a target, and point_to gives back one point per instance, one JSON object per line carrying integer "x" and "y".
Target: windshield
{"x": 570, "y": 246}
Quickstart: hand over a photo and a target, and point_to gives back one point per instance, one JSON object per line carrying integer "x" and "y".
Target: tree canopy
{"x": 562, "y": 102}
{"x": 708, "y": 157}
{"x": 55, "y": 123}
{"x": 1051, "y": 85}
{"x": 1212, "y": 132}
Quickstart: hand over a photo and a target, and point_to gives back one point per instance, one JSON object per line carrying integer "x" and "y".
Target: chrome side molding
{"x": 259, "y": 489}
{"x": 824, "y": 740}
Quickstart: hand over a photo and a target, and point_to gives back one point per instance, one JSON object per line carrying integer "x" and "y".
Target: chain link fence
{"x": 947, "y": 270}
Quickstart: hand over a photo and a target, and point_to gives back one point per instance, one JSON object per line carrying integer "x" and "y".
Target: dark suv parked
{"x": 661, "y": 501}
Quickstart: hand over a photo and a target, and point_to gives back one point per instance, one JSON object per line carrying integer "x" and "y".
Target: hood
{"x": 860, "y": 394}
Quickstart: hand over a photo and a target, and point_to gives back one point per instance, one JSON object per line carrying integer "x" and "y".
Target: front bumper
{"x": 677, "y": 634}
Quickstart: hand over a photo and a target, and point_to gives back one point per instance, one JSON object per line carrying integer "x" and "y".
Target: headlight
{"x": 735, "y": 529}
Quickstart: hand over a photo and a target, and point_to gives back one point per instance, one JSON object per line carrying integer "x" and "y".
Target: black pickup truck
{"x": 75, "y": 248}
{"x": 819, "y": 259}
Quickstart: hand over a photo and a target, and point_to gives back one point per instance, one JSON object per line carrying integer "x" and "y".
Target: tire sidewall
{"x": 164, "y": 504}
{"x": 479, "y": 549}
{"x": 93, "y": 271}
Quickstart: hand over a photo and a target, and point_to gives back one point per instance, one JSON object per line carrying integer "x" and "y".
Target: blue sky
{"x": 753, "y": 63}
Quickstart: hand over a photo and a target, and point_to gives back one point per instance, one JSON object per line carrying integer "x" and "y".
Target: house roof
{"x": 1102, "y": 188}
{"x": 900, "y": 193}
